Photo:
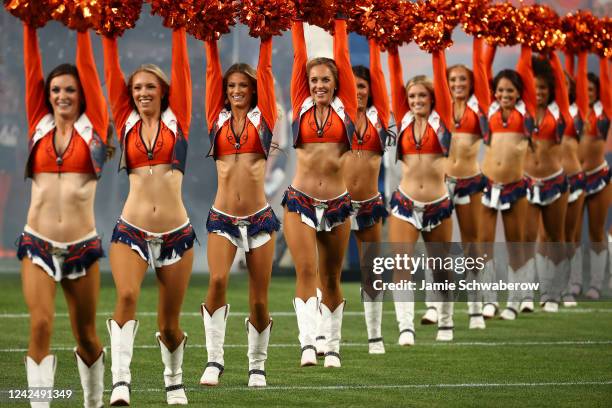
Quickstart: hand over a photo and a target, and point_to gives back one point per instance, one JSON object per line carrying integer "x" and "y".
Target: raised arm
{"x": 96, "y": 109}
{"x": 214, "y": 83}
{"x": 569, "y": 64}
{"x": 378, "y": 88}
{"x": 561, "y": 95}
{"x": 525, "y": 70}
{"x": 488, "y": 56}
{"x": 444, "y": 104}
{"x": 118, "y": 92}
{"x": 605, "y": 94}
{"x": 299, "y": 80}
{"x": 36, "y": 107}
{"x": 399, "y": 100}
{"x": 266, "y": 98}
{"x": 347, "y": 90}
{"x": 180, "y": 81}
{"x": 582, "y": 86}
{"x": 482, "y": 87}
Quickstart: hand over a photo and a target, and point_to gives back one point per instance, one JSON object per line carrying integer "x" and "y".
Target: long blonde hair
{"x": 427, "y": 83}
{"x": 161, "y": 77}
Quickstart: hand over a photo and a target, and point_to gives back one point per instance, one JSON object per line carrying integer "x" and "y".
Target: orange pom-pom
{"x": 317, "y": 12}
{"x": 540, "y": 28}
{"x": 435, "y": 23}
{"x": 175, "y": 13}
{"x": 79, "y": 15}
{"x": 502, "y": 24}
{"x": 472, "y": 16}
{"x": 212, "y": 18}
{"x": 267, "y": 18}
{"x": 388, "y": 22}
{"x": 602, "y": 37}
{"x": 35, "y": 13}
{"x": 118, "y": 16}
{"x": 578, "y": 28}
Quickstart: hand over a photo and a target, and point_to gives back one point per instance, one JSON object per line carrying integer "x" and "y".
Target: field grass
{"x": 540, "y": 359}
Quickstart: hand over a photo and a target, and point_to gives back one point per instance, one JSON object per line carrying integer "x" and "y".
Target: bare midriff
{"x": 504, "y": 158}
{"x": 361, "y": 170}
{"x": 318, "y": 171}
{"x": 62, "y": 205}
{"x": 544, "y": 159}
{"x": 240, "y": 184}
{"x": 463, "y": 155}
{"x": 154, "y": 202}
{"x": 423, "y": 176}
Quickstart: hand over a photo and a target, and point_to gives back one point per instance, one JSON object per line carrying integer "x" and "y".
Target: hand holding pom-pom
{"x": 388, "y": 22}
{"x": 79, "y": 15}
{"x": 578, "y": 30}
{"x": 540, "y": 28}
{"x": 267, "y": 18}
{"x": 602, "y": 43}
{"x": 118, "y": 16}
{"x": 34, "y": 13}
{"x": 435, "y": 24}
{"x": 176, "y": 13}
{"x": 472, "y": 16}
{"x": 212, "y": 18}
{"x": 317, "y": 12}
{"x": 502, "y": 24}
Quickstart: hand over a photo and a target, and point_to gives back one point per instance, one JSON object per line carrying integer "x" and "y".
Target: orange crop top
{"x": 469, "y": 123}
{"x": 138, "y": 155}
{"x": 226, "y": 142}
{"x": 547, "y": 129}
{"x": 429, "y": 144}
{"x": 332, "y": 131}
{"x": 369, "y": 140}
{"x": 514, "y": 124}
{"x": 75, "y": 159}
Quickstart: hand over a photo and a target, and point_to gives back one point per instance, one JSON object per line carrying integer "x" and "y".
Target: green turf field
{"x": 538, "y": 360}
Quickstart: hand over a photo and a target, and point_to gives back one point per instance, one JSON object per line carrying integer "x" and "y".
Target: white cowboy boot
{"x": 122, "y": 347}
{"x": 598, "y": 266}
{"x": 214, "y": 331}
{"x": 173, "y": 371}
{"x": 321, "y": 334}
{"x": 476, "y": 319}
{"x": 373, "y": 318}
{"x": 489, "y": 297}
{"x": 41, "y": 376}
{"x": 445, "y": 321}
{"x": 332, "y": 357}
{"x": 306, "y": 319}
{"x": 404, "y": 313}
{"x": 92, "y": 380}
{"x": 257, "y": 353}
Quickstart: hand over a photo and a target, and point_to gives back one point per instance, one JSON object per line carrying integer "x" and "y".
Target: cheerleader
{"x": 68, "y": 123}
{"x": 241, "y": 112}
{"x": 422, "y": 204}
{"x": 511, "y": 123}
{"x": 598, "y": 192}
{"x": 361, "y": 168}
{"x": 317, "y": 205}
{"x": 153, "y": 116}
{"x": 471, "y": 99}
{"x": 547, "y": 192}
{"x": 576, "y": 184}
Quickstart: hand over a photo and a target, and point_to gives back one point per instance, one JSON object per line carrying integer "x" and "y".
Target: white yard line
{"x": 282, "y": 314}
{"x": 364, "y": 345}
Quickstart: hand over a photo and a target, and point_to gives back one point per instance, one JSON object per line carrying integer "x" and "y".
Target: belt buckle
{"x": 154, "y": 240}
{"x": 242, "y": 223}
{"x": 59, "y": 252}
{"x": 321, "y": 205}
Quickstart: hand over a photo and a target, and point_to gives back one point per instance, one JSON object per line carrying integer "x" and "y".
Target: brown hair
{"x": 427, "y": 83}
{"x": 328, "y": 62}
{"x": 64, "y": 69}
{"x": 245, "y": 69}
{"x": 464, "y": 67}
{"x": 161, "y": 77}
